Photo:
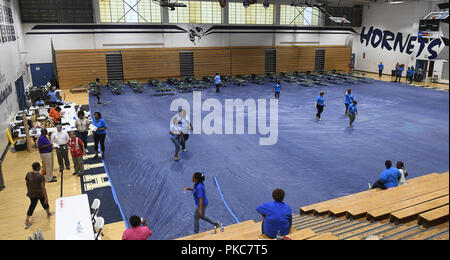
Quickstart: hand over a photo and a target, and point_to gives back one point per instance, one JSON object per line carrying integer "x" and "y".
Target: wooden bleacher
{"x": 418, "y": 210}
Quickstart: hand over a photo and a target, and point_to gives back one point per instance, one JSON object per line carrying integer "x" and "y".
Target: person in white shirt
{"x": 185, "y": 127}
{"x": 404, "y": 174}
{"x": 176, "y": 136}
{"x": 59, "y": 140}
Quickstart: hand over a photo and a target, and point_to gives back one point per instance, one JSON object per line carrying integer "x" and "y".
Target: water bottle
{"x": 279, "y": 235}
{"x": 79, "y": 227}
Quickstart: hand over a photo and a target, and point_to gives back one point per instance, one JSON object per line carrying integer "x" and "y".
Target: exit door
{"x": 41, "y": 73}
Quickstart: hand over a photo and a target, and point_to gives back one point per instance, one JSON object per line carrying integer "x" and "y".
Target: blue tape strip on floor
{"x": 107, "y": 174}
{"x": 224, "y": 202}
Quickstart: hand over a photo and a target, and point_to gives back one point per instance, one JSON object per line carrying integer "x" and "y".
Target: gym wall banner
{"x": 389, "y": 41}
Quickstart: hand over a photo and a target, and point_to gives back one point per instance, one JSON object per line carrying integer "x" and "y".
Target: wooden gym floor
{"x": 14, "y": 202}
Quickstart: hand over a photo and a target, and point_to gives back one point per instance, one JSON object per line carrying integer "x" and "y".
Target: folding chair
{"x": 98, "y": 228}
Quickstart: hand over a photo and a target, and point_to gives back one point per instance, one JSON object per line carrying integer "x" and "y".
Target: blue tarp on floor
{"x": 312, "y": 161}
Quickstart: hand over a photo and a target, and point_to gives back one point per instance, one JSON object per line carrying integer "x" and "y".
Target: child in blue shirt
{"x": 218, "y": 82}
{"x": 277, "y": 89}
{"x": 380, "y": 69}
{"x": 320, "y": 104}
{"x": 352, "y": 112}
{"x": 348, "y": 99}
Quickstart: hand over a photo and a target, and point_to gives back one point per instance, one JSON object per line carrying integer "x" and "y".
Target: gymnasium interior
{"x": 139, "y": 63}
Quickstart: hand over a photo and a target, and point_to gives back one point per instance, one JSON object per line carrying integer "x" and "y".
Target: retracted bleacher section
{"x": 418, "y": 210}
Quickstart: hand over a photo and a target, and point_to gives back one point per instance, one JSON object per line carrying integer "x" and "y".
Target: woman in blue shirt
{"x": 201, "y": 202}
{"x": 99, "y": 133}
{"x": 277, "y": 216}
{"x": 320, "y": 104}
{"x": 348, "y": 99}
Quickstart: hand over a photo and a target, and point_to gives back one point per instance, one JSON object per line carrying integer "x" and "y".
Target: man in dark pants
{"x": 59, "y": 140}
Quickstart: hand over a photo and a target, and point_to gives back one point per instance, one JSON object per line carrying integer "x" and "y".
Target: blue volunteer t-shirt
{"x": 352, "y": 109}
{"x": 390, "y": 177}
{"x": 99, "y": 124}
{"x": 380, "y": 66}
{"x": 53, "y": 97}
{"x": 278, "y": 217}
{"x": 277, "y": 87}
{"x": 200, "y": 192}
{"x": 400, "y": 71}
{"x": 320, "y": 100}
{"x": 217, "y": 79}
{"x": 349, "y": 98}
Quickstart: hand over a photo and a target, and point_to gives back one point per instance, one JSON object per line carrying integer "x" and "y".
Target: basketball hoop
{"x": 223, "y": 3}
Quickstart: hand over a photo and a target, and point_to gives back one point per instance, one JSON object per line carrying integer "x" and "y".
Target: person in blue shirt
{"x": 277, "y": 89}
{"x": 380, "y": 69}
{"x": 218, "y": 82}
{"x": 400, "y": 70}
{"x": 410, "y": 74}
{"x": 320, "y": 104}
{"x": 53, "y": 97}
{"x": 201, "y": 202}
{"x": 277, "y": 216}
{"x": 99, "y": 133}
{"x": 348, "y": 99}
{"x": 352, "y": 112}
{"x": 388, "y": 179}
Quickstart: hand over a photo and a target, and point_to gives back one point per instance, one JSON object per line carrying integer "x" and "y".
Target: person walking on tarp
{"x": 352, "y": 112}
{"x": 320, "y": 104}
{"x": 277, "y": 89}
{"x": 185, "y": 128}
{"x": 218, "y": 82}
{"x": 201, "y": 202}
{"x": 348, "y": 99}
{"x": 176, "y": 136}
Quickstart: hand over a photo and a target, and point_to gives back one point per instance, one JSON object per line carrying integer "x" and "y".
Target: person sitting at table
{"x": 52, "y": 110}
{"x": 53, "y": 97}
{"x": 56, "y": 116}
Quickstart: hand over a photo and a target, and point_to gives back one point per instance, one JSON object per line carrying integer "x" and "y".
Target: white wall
{"x": 12, "y": 67}
{"x": 403, "y": 18}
